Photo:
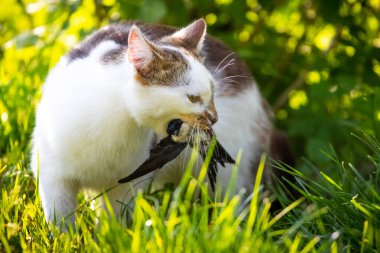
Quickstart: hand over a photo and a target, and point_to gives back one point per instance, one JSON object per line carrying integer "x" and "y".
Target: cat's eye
{"x": 194, "y": 98}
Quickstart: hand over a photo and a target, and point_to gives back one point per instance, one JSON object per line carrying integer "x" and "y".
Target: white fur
{"x": 94, "y": 126}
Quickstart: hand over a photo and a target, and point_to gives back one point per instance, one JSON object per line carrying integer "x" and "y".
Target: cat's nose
{"x": 212, "y": 116}
{"x": 211, "y": 113}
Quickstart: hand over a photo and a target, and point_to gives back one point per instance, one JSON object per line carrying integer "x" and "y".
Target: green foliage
{"x": 333, "y": 214}
{"x": 318, "y": 64}
{"x": 349, "y": 203}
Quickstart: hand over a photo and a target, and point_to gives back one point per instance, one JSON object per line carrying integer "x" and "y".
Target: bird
{"x": 168, "y": 149}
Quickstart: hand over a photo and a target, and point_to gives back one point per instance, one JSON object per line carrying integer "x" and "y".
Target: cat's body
{"x": 110, "y": 100}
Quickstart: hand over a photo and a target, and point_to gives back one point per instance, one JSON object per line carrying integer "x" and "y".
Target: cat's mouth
{"x": 192, "y": 129}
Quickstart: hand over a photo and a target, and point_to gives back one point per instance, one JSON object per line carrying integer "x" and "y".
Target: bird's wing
{"x": 160, "y": 155}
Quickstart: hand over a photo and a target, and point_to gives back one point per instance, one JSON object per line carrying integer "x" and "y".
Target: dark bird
{"x": 168, "y": 149}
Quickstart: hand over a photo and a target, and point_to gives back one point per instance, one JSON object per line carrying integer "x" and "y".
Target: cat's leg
{"x": 59, "y": 199}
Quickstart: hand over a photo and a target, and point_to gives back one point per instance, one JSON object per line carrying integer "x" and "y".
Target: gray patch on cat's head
{"x": 116, "y": 33}
{"x": 114, "y": 56}
{"x": 119, "y": 34}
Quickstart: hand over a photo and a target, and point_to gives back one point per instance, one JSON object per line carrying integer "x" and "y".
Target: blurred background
{"x": 317, "y": 62}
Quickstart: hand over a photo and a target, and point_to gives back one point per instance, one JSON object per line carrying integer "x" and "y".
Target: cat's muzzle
{"x": 195, "y": 132}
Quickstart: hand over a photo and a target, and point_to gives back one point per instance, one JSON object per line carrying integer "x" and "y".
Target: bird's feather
{"x": 167, "y": 149}
{"x": 160, "y": 155}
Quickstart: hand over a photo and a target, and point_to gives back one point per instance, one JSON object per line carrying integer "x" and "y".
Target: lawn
{"x": 315, "y": 61}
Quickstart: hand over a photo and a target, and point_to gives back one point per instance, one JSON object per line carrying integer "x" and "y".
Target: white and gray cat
{"x": 111, "y": 98}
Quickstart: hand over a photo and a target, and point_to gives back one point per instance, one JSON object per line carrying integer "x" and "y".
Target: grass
{"x": 338, "y": 209}
{"x": 340, "y": 214}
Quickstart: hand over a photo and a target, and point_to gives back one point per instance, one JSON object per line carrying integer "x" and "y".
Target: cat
{"x": 111, "y": 98}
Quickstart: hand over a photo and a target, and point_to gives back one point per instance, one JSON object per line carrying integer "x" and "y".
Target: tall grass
{"x": 338, "y": 207}
{"x": 338, "y": 214}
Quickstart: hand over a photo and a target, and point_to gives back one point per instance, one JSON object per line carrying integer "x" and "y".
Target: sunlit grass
{"x": 332, "y": 214}
{"x": 338, "y": 208}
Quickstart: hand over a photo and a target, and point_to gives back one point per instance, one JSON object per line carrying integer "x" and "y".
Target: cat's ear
{"x": 140, "y": 50}
{"x": 193, "y": 34}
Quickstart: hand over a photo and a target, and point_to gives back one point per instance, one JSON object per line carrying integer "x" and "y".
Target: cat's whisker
{"x": 191, "y": 136}
{"x": 226, "y": 82}
{"x": 184, "y": 160}
{"x": 233, "y": 129}
{"x": 184, "y": 157}
{"x": 219, "y": 75}
{"x": 230, "y": 63}
{"x": 198, "y": 136}
{"x": 232, "y": 76}
{"x": 198, "y": 144}
{"x": 217, "y": 67}
{"x": 224, "y": 115}
{"x": 225, "y": 124}
{"x": 228, "y": 140}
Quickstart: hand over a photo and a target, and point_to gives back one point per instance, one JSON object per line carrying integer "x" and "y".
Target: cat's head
{"x": 171, "y": 81}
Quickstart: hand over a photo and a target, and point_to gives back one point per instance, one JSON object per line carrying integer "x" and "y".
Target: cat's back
{"x": 118, "y": 33}
{"x": 222, "y": 61}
